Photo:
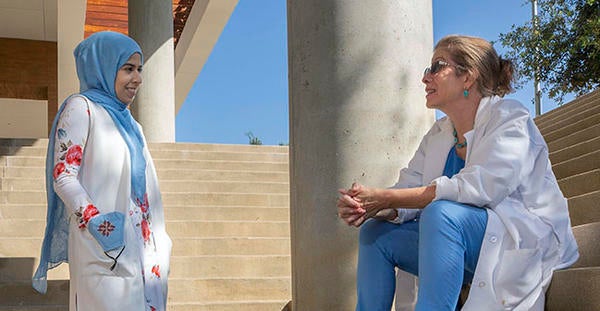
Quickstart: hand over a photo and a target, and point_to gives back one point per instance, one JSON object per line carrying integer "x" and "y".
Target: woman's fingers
{"x": 346, "y": 200}
{"x": 353, "y": 219}
{"x": 345, "y": 211}
{"x": 358, "y": 221}
{"x": 350, "y": 207}
{"x": 355, "y": 189}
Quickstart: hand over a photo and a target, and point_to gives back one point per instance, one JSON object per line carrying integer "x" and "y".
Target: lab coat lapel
{"x": 437, "y": 152}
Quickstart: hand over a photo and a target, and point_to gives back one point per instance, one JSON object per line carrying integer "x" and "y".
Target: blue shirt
{"x": 453, "y": 163}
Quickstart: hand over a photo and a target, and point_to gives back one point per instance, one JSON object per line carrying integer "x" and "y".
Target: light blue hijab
{"x": 98, "y": 59}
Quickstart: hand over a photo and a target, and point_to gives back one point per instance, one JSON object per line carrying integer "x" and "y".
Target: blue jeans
{"x": 441, "y": 248}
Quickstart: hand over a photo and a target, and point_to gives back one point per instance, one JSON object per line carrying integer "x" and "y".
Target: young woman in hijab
{"x": 105, "y": 215}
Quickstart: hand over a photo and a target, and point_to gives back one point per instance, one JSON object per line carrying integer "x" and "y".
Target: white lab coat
{"x": 508, "y": 172}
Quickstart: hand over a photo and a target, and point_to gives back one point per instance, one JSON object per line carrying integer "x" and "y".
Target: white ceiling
{"x": 28, "y": 19}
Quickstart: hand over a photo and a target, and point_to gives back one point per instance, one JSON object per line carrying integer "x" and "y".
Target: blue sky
{"x": 243, "y": 85}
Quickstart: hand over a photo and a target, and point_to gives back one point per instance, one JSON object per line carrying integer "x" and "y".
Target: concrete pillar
{"x": 70, "y": 24}
{"x": 151, "y": 25}
{"x": 357, "y": 113}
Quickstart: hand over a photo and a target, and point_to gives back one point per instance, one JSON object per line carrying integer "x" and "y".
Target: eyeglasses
{"x": 438, "y": 65}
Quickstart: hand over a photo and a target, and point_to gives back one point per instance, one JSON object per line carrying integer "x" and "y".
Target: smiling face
{"x": 445, "y": 86}
{"x": 129, "y": 79}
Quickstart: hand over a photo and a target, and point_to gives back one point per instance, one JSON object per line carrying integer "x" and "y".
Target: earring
{"x": 466, "y": 93}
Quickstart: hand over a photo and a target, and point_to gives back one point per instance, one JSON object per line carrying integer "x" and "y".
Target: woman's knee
{"x": 370, "y": 231}
{"x": 436, "y": 211}
{"x": 452, "y": 213}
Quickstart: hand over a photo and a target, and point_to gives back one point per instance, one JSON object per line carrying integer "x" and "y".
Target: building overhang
{"x": 39, "y": 20}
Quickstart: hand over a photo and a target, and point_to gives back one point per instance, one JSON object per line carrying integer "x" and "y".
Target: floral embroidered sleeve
{"x": 70, "y": 138}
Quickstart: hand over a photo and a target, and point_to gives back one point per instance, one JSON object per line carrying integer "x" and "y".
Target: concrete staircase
{"x": 573, "y": 136}
{"x": 227, "y": 211}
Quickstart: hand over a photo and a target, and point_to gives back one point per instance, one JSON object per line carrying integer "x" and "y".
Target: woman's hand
{"x": 372, "y": 200}
{"x": 349, "y": 210}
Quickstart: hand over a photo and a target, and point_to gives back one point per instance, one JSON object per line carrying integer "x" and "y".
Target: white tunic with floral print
{"x": 92, "y": 176}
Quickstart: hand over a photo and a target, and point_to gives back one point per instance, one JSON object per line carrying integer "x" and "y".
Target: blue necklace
{"x": 458, "y": 146}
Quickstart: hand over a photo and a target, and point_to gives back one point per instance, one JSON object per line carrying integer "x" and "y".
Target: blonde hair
{"x": 478, "y": 56}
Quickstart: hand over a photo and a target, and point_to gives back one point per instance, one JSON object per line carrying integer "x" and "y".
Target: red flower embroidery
{"x": 152, "y": 308}
{"x": 89, "y": 212}
{"x": 74, "y": 155}
{"x": 106, "y": 228}
{"x": 144, "y": 205}
{"x": 156, "y": 270}
{"x": 145, "y": 230}
{"x": 59, "y": 168}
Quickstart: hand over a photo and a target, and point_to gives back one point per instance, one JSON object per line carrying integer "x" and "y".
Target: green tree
{"x": 564, "y": 47}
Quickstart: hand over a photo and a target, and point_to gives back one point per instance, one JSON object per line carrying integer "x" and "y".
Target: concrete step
{"x": 574, "y": 289}
{"x": 248, "y": 176}
{"x": 587, "y": 237}
{"x": 195, "y": 246}
{"x": 218, "y": 291}
{"x": 172, "y": 155}
{"x": 270, "y": 305}
{"x": 576, "y": 150}
{"x": 39, "y": 184}
{"x": 570, "y": 120}
{"x": 35, "y": 308}
{"x": 584, "y": 208}
{"x": 580, "y": 104}
{"x": 574, "y": 138}
{"x": 173, "y": 198}
{"x": 229, "y": 289}
{"x": 225, "y": 246}
{"x": 20, "y": 269}
{"x": 225, "y": 199}
{"x": 193, "y": 228}
{"x": 43, "y": 143}
{"x": 23, "y": 161}
{"x": 171, "y": 174}
{"x": 581, "y": 164}
{"x": 172, "y": 212}
{"x": 224, "y": 186}
{"x": 23, "y": 151}
{"x": 581, "y": 183}
{"x": 238, "y": 266}
{"x": 580, "y": 124}
{"x": 230, "y": 213}
{"x": 222, "y": 165}
{"x": 24, "y": 228}
{"x": 22, "y": 184}
{"x": 21, "y": 293}
{"x": 276, "y": 305}
{"x": 27, "y": 161}
{"x": 215, "y": 147}
{"x": 24, "y": 142}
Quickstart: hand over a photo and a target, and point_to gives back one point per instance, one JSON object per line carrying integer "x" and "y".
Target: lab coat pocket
{"x": 519, "y": 274}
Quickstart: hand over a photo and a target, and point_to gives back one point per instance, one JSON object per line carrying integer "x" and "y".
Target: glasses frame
{"x": 438, "y": 65}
